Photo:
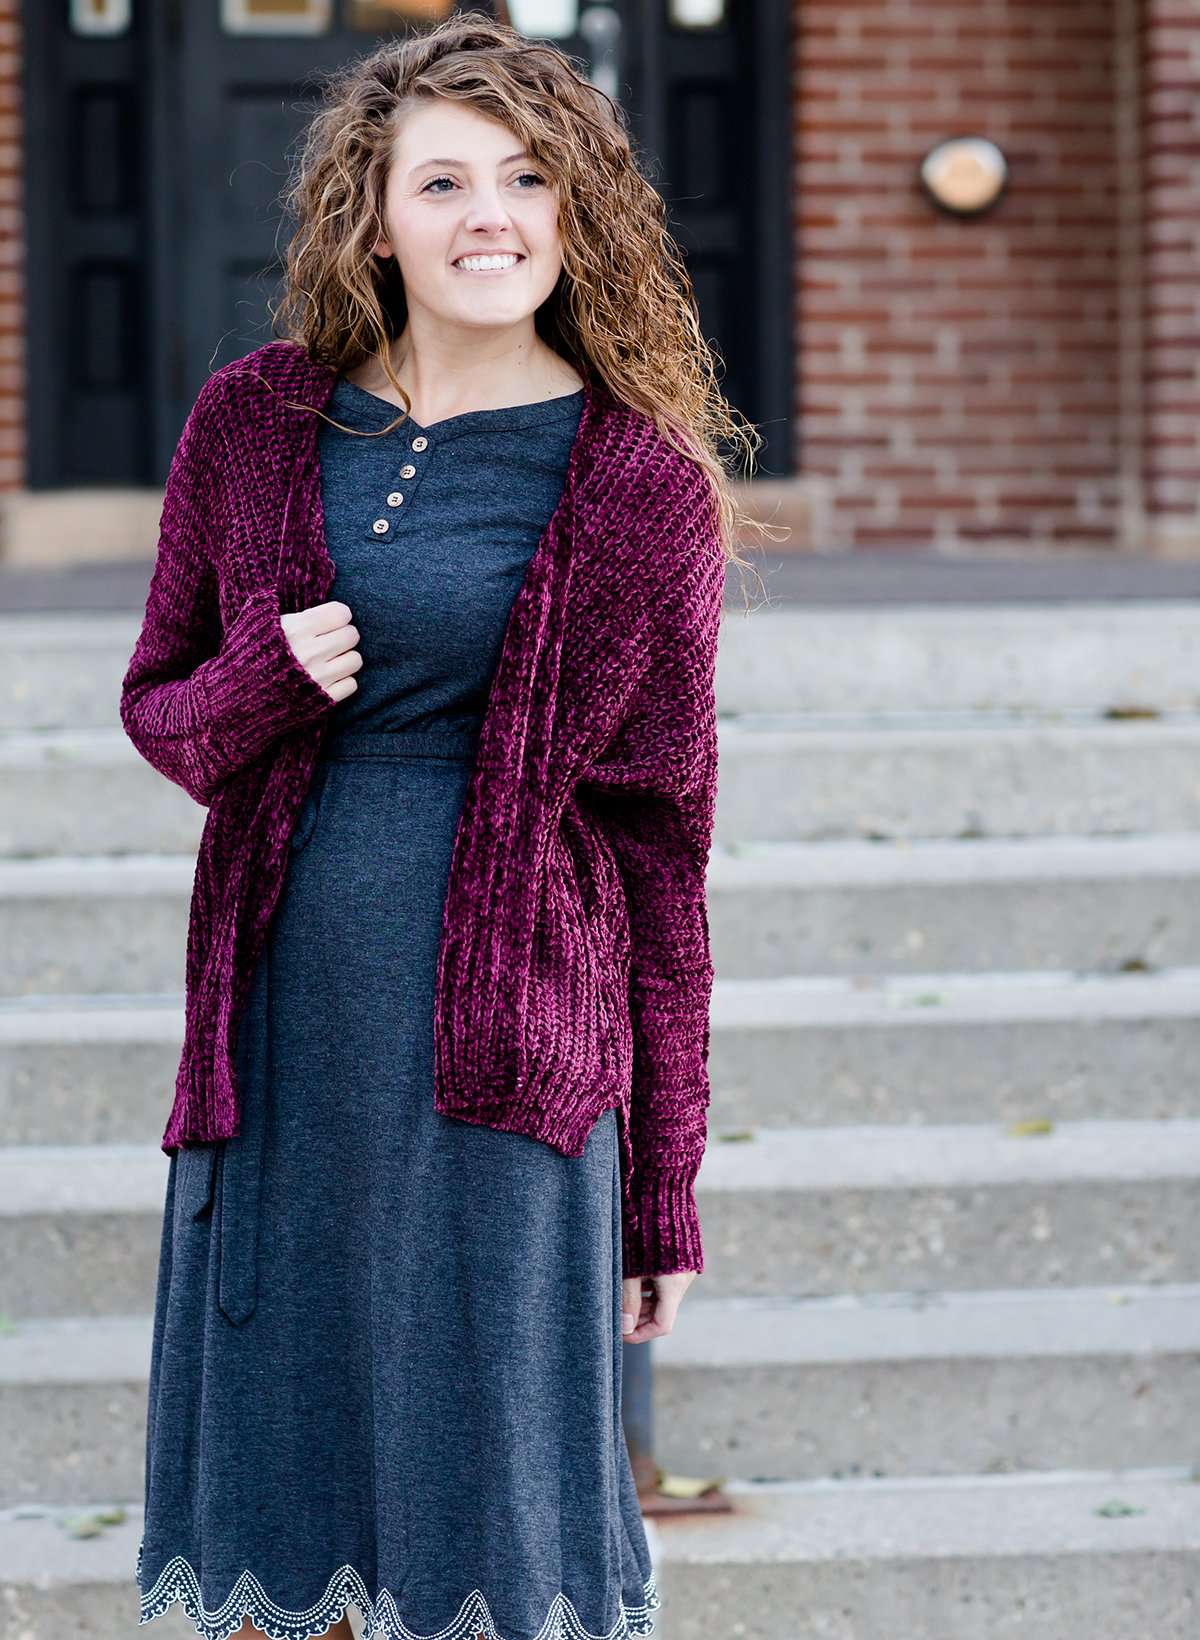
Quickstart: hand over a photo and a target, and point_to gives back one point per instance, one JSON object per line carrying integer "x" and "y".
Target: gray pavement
{"x": 863, "y": 577}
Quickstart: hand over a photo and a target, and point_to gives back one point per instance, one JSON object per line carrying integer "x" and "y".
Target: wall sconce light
{"x": 964, "y": 176}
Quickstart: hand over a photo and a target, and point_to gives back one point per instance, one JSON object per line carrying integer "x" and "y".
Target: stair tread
{"x": 778, "y": 1523}
{"x": 129, "y": 1177}
{"x": 1014, "y": 1324}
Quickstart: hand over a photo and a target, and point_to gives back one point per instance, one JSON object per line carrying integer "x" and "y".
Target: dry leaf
{"x": 686, "y": 1486}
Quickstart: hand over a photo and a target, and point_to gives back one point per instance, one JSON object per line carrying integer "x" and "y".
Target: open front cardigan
{"x": 574, "y": 972}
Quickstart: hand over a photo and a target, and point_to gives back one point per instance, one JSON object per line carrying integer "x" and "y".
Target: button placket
{"x": 395, "y": 498}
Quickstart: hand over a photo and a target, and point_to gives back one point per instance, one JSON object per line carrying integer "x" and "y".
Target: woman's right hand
{"x": 323, "y": 641}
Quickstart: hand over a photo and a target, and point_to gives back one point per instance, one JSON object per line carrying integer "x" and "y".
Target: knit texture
{"x": 574, "y": 971}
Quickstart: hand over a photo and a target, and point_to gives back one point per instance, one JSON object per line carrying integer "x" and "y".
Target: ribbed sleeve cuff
{"x": 662, "y": 1235}
{"x": 256, "y": 688}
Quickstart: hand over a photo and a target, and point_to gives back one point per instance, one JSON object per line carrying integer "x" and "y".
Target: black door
{"x": 156, "y": 237}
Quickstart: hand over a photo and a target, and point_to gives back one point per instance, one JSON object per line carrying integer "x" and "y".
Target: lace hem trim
{"x": 247, "y": 1598}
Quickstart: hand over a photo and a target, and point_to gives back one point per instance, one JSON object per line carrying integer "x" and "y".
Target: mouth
{"x": 488, "y": 266}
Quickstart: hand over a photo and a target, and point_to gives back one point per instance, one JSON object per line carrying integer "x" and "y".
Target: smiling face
{"x": 458, "y": 187}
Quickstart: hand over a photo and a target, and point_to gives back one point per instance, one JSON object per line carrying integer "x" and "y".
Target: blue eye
{"x": 520, "y": 174}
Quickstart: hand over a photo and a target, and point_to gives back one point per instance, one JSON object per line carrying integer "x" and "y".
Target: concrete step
{"x": 806, "y": 1050}
{"x": 783, "y": 778}
{"x": 785, "y": 1211}
{"x": 66, "y": 670}
{"x": 929, "y": 1383}
{"x": 1093, "y": 903}
{"x": 872, "y": 1207}
{"x": 949, "y": 1047}
{"x": 962, "y": 657}
{"x": 1074, "y": 1555}
{"x": 49, "y": 783}
{"x": 57, "y": 1581}
{"x": 868, "y": 1208}
{"x": 61, "y": 1058}
{"x": 787, "y": 779}
{"x": 770, "y": 1389}
{"x": 87, "y": 923}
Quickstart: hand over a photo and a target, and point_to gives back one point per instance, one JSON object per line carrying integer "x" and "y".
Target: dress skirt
{"x": 386, "y": 1350}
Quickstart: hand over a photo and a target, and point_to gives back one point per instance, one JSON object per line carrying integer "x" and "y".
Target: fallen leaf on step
{"x": 92, "y": 1523}
{"x": 686, "y": 1486}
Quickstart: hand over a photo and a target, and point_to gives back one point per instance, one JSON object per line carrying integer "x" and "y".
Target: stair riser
{"x": 1047, "y": 1597}
{"x": 755, "y": 1575}
{"x": 1043, "y": 1234}
{"x": 67, "y": 670}
{"x": 958, "y": 785}
{"x": 836, "y": 1075}
{"x": 925, "y": 1417}
{"x": 774, "y": 788}
{"x": 61, "y": 945}
{"x": 772, "y": 1423}
{"x": 73, "y": 1444}
{"x": 963, "y": 658}
{"x": 757, "y": 1243}
{"x": 54, "y": 810}
{"x": 772, "y": 929}
{"x": 121, "y": 942}
{"x": 1066, "y": 1070}
{"x": 87, "y": 1093}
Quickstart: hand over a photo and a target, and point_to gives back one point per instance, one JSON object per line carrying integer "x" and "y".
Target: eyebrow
{"x": 505, "y": 161}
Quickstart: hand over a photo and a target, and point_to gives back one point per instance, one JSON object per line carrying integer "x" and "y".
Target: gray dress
{"x": 386, "y": 1363}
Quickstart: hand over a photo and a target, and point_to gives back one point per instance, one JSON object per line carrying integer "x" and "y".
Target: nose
{"x": 486, "y": 212}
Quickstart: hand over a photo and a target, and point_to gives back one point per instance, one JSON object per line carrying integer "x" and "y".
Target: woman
{"x": 442, "y": 1095}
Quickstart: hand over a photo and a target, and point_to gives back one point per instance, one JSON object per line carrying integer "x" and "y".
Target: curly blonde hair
{"x": 623, "y": 310}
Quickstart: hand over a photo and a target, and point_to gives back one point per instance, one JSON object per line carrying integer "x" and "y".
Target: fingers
{"x": 631, "y": 1303}
{"x": 324, "y": 640}
{"x": 320, "y": 617}
{"x": 653, "y": 1303}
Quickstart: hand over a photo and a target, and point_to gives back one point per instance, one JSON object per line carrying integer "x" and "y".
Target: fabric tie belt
{"x": 342, "y": 745}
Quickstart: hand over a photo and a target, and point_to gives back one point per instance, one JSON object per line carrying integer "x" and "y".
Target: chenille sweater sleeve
{"x": 201, "y": 701}
{"x": 655, "y": 788}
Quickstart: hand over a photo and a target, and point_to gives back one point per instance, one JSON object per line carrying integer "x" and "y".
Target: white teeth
{"x": 480, "y": 263}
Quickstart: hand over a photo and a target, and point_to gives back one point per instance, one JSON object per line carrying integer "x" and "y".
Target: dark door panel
{"x": 158, "y": 153}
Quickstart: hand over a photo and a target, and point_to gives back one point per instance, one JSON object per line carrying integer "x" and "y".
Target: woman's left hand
{"x": 653, "y": 1311}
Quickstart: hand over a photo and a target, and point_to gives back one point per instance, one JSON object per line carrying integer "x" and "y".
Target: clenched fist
{"x": 323, "y": 641}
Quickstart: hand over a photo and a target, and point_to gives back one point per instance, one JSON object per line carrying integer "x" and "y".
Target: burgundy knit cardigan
{"x": 574, "y": 972}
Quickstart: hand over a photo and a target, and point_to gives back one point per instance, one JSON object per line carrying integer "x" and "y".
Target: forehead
{"x": 438, "y": 132}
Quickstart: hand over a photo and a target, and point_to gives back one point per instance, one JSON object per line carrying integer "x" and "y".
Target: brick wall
{"x": 12, "y": 253}
{"x": 1170, "y": 120}
{"x": 959, "y": 382}
{"x": 1029, "y": 379}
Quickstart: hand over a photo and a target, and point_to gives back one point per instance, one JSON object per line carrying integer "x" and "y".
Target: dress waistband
{"x": 343, "y": 745}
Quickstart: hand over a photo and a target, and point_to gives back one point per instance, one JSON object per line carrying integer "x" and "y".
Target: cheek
{"x": 421, "y": 246}
{"x": 542, "y": 235}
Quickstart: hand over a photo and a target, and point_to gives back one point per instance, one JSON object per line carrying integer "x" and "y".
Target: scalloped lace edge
{"x": 247, "y": 1598}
